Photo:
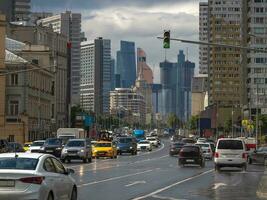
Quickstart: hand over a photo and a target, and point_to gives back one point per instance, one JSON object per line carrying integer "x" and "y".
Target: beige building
{"x": 127, "y": 101}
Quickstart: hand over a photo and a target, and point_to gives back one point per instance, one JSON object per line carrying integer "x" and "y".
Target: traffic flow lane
{"x": 229, "y": 184}
{"x": 134, "y": 184}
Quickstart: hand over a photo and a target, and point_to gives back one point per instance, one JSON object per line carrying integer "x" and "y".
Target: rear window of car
{"x": 188, "y": 141}
{"x": 190, "y": 149}
{"x": 230, "y": 144}
{"x": 203, "y": 145}
{"x": 75, "y": 143}
{"x": 18, "y": 163}
{"x": 103, "y": 145}
{"x": 53, "y": 142}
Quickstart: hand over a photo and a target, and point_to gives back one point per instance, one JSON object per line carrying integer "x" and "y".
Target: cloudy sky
{"x": 140, "y": 21}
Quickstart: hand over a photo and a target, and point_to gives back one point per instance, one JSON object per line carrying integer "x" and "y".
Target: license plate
{"x": 189, "y": 160}
{"x": 49, "y": 151}
{"x": 7, "y": 183}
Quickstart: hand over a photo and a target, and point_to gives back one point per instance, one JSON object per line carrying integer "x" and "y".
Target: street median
{"x": 262, "y": 189}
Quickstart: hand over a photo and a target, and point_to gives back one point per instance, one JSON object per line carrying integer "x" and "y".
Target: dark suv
{"x": 175, "y": 148}
{"x": 191, "y": 154}
{"x": 127, "y": 145}
{"x": 52, "y": 146}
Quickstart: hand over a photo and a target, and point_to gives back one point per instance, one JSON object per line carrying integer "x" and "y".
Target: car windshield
{"x": 18, "y": 163}
{"x": 102, "y": 144}
{"x": 75, "y": 143}
{"x": 190, "y": 149}
{"x": 53, "y": 142}
{"x": 37, "y": 144}
{"x": 230, "y": 144}
{"x": 125, "y": 140}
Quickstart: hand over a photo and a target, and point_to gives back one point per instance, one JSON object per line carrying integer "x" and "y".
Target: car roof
{"x": 81, "y": 139}
{"x": 191, "y": 145}
{"x": 22, "y": 155}
{"x": 103, "y": 142}
{"x": 238, "y": 139}
{"x": 39, "y": 141}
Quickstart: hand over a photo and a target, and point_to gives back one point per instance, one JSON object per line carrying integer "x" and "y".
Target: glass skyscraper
{"x": 126, "y": 64}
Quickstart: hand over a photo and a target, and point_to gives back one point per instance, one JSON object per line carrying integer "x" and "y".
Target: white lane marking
{"x": 167, "y": 198}
{"x": 116, "y": 178}
{"x": 217, "y": 185}
{"x": 172, "y": 185}
{"x": 135, "y": 183}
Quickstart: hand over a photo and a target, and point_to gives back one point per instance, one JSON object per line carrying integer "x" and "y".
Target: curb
{"x": 262, "y": 188}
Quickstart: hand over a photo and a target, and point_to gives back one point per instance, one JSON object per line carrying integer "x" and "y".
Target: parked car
{"x": 206, "y": 149}
{"x": 105, "y": 149}
{"x": 26, "y": 146}
{"x": 230, "y": 152}
{"x": 175, "y": 148}
{"x": 191, "y": 154}
{"x": 258, "y": 156}
{"x": 15, "y": 147}
{"x": 153, "y": 141}
{"x": 127, "y": 145}
{"x": 80, "y": 149}
{"x": 36, "y": 146}
{"x": 144, "y": 145}
{"x": 52, "y": 146}
{"x": 35, "y": 176}
{"x": 4, "y": 148}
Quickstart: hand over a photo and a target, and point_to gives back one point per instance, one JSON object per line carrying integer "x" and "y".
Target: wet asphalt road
{"x": 156, "y": 175}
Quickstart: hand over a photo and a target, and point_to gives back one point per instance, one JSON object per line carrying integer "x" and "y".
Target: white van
{"x": 230, "y": 152}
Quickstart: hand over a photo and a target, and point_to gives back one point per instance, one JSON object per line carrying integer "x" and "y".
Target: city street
{"x": 156, "y": 175}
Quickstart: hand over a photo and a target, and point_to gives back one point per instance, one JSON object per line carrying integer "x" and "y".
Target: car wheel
{"x": 115, "y": 156}
{"x": 249, "y": 160}
{"x": 74, "y": 194}
{"x": 97, "y": 157}
{"x": 50, "y": 196}
{"x": 85, "y": 160}
{"x": 90, "y": 159}
{"x": 69, "y": 160}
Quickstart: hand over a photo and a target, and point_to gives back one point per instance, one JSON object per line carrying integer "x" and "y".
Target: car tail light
{"x": 244, "y": 155}
{"x": 209, "y": 150}
{"x": 34, "y": 180}
{"x": 216, "y": 155}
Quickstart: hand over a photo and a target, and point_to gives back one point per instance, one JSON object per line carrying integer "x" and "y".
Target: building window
{"x": 14, "y": 107}
{"x": 14, "y": 79}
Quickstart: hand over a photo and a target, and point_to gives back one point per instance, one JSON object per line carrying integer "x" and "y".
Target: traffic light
{"x": 166, "y": 39}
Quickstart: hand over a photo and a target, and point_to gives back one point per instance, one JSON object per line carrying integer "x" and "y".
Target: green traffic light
{"x": 166, "y": 40}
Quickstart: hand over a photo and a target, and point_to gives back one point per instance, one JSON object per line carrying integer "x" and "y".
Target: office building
{"x": 16, "y": 10}
{"x": 185, "y": 72}
{"x": 35, "y": 16}
{"x": 156, "y": 92}
{"x": 126, "y": 64}
{"x": 113, "y": 77}
{"x": 57, "y": 43}
{"x": 69, "y": 24}
{"x": 142, "y": 66}
{"x": 96, "y": 75}
{"x": 203, "y": 37}
{"x": 129, "y": 102}
{"x": 227, "y": 25}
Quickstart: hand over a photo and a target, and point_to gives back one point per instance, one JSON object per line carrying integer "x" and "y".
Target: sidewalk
{"x": 262, "y": 189}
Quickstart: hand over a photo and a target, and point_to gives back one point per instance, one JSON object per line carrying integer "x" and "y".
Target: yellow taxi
{"x": 104, "y": 149}
{"x": 26, "y": 146}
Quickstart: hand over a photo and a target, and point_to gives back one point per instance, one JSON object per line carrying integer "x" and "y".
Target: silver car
{"x": 77, "y": 149}
{"x": 35, "y": 176}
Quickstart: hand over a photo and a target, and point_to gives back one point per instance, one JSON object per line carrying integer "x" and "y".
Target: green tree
{"x": 192, "y": 123}
{"x": 228, "y": 125}
{"x": 173, "y": 121}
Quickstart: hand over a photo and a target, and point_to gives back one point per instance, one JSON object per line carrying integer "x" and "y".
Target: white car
{"x": 36, "y": 146}
{"x": 153, "y": 141}
{"x": 230, "y": 152}
{"x": 144, "y": 145}
{"x": 206, "y": 149}
{"x": 35, "y": 176}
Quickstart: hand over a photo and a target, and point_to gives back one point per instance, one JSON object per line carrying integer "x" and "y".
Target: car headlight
{"x": 58, "y": 148}
{"x": 118, "y": 147}
{"x": 131, "y": 147}
{"x": 65, "y": 150}
{"x": 42, "y": 148}
{"x": 82, "y": 150}
{"x": 95, "y": 150}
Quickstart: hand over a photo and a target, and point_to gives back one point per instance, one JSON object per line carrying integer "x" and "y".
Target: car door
{"x": 261, "y": 155}
{"x": 51, "y": 177}
{"x": 65, "y": 182}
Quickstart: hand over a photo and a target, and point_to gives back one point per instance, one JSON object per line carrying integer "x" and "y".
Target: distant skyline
{"x": 135, "y": 20}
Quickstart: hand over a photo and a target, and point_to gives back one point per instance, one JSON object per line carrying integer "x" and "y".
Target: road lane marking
{"x": 172, "y": 185}
{"x": 217, "y": 185}
{"x": 135, "y": 183}
{"x": 116, "y": 178}
{"x": 166, "y": 198}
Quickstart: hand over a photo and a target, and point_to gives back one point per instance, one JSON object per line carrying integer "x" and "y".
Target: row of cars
{"x": 228, "y": 152}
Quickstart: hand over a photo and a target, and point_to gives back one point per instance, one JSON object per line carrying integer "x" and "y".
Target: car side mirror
{"x": 69, "y": 171}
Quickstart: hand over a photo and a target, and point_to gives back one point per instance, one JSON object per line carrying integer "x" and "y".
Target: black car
{"x": 127, "y": 145}
{"x": 175, "y": 148}
{"x": 258, "y": 156}
{"x": 191, "y": 154}
{"x": 4, "y": 148}
{"x": 52, "y": 146}
{"x": 15, "y": 147}
{"x": 188, "y": 141}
